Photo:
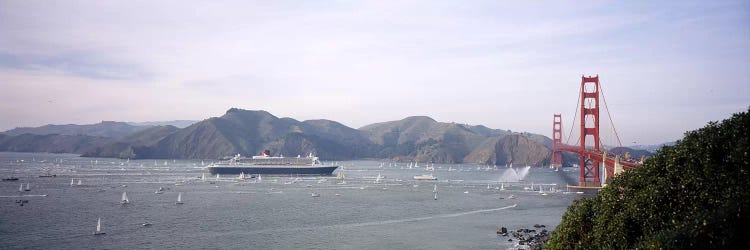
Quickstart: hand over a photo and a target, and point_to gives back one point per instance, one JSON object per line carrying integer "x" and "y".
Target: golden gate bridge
{"x": 593, "y": 157}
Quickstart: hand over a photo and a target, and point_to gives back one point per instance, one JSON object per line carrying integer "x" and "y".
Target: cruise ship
{"x": 272, "y": 165}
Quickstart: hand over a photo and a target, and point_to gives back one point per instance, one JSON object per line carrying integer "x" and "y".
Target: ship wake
{"x": 378, "y": 223}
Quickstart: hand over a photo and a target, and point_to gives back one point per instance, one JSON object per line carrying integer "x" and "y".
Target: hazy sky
{"x": 665, "y": 67}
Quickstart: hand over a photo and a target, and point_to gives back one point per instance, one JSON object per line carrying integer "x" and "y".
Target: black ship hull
{"x": 273, "y": 170}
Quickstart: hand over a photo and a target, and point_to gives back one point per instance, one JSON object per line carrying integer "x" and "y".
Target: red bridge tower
{"x": 589, "y": 127}
{"x": 556, "y": 141}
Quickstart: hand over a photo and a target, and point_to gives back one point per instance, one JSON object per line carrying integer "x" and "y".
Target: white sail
{"x": 20, "y": 189}
{"x": 434, "y": 189}
{"x": 203, "y": 177}
{"x": 436, "y": 195}
{"x": 79, "y": 182}
{"x": 98, "y": 227}
{"x": 179, "y": 198}
{"x": 125, "y": 198}
{"x": 260, "y": 178}
{"x": 72, "y": 181}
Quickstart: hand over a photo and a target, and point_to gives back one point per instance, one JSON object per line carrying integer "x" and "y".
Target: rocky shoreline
{"x": 525, "y": 238}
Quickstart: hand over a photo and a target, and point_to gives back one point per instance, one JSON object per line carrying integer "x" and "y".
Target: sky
{"x": 665, "y": 67}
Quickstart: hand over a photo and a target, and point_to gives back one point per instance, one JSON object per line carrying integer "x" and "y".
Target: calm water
{"x": 277, "y": 213}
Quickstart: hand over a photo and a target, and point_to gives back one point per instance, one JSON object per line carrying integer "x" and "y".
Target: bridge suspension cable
{"x": 572, "y": 126}
{"x": 609, "y": 114}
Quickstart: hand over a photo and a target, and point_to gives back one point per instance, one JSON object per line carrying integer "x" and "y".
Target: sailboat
{"x": 434, "y": 189}
{"x": 377, "y": 179}
{"x": 242, "y": 176}
{"x": 341, "y": 176}
{"x": 429, "y": 168}
{"x": 79, "y": 182}
{"x": 203, "y": 177}
{"x": 260, "y": 179}
{"x": 436, "y": 194}
{"x": 124, "y": 198}
{"x": 20, "y": 189}
{"x": 72, "y": 181}
{"x": 28, "y": 188}
{"x": 541, "y": 190}
{"x": 99, "y": 227}
{"x": 502, "y": 186}
{"x": 179, "y": 199}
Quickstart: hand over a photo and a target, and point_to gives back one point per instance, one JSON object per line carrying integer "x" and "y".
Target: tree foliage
{"x": 690, "y": 195}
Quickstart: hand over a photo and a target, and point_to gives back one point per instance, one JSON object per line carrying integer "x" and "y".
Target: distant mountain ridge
{"x": 415, "y": 138}
{"x": 176, "y": 123}
{"x": 103, "y": 129}
{"x": 654, "y": 147}
{"x": 52, "y": 143}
